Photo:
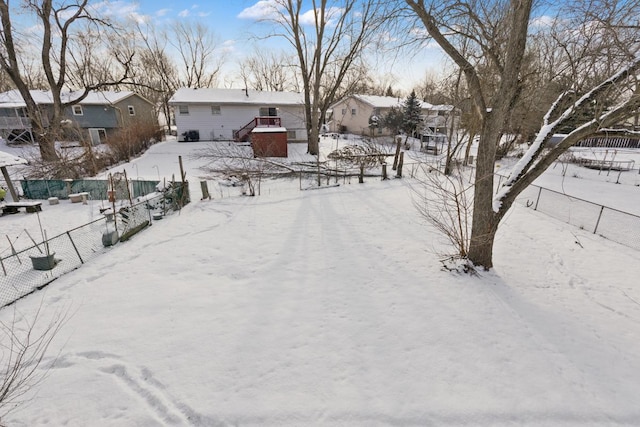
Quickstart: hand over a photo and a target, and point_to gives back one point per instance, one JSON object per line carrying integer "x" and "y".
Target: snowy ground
{"x": 329, "y": 308}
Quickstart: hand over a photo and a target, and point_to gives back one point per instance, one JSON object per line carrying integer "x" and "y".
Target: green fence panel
{"x": 42, "y": 189}
{"x": 97, "y": 189}
{"x": 142, "y": 188}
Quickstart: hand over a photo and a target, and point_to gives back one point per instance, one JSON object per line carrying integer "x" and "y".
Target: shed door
{"x": 98, "y": 136}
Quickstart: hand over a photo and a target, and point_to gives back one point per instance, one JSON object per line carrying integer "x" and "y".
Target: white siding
{"x": 214, "y": 127}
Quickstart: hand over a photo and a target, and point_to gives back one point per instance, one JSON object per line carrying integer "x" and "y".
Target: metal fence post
{"x": 535, "y": 208}
{"x": 598, "y": 221}
{"x": 74, "y": 247}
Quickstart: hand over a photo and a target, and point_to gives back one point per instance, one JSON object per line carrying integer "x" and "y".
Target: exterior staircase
{"x": 242, "y": 135}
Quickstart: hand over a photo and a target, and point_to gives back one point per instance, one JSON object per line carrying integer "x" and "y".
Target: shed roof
{"x": 13, "y": 99}
{"x": 265, "y": 129}
{"x": 7, "y": 159}
{"x": 235, "y": 96}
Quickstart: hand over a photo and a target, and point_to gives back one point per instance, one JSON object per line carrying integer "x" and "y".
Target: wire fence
{"x": 28, "y": 269}
{"x": 613, "y": 224}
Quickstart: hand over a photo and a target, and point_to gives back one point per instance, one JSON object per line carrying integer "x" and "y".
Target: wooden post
{"x": 7, "y": 179}
{"x": 182, "y": 177}
{"x": 395, "y": 158}
{"x": 361, "y": 175}
{"x": 113, "y": 203}
{"x": 384, "y": 172}
{"x": 400, "y": 163}
{"x": 126, "y": 181}
{"x": 205, "y": 190}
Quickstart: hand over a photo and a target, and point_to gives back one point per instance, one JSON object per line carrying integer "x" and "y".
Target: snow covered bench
{"x": 14, "y": 207}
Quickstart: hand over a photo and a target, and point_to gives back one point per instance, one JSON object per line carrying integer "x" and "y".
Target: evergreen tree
{"x": 412, "y": 108}
{"x": 393, "y": 120}
{"x": 389, "y": 91}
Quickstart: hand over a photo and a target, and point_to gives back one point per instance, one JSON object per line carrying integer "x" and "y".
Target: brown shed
{"x": 269, "y": 142}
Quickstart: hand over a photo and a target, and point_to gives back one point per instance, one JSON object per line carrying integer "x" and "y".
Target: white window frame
{"x": 183, "y": 110}
{"x": 216, "y": 110}
{"x": 354, "y": 111}
{"x": 132, "y": 110}
{"x": 77, "y": 110}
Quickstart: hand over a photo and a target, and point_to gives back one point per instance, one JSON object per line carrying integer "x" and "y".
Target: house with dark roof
{"x": 232, "y": 114}
{"x": 95, "y": 117}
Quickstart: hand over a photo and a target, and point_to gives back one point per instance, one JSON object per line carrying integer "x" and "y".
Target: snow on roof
{"x": 387, "y": 101}
{"x": 13, "y": 99}
{"x": 264, "y": 129}
{"x": 441, "y": 107}
{"x": 7, "y": 159}
{"x": 235, "y": 96}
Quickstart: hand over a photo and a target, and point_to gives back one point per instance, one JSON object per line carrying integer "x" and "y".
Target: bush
{"x": 133, "y": 140}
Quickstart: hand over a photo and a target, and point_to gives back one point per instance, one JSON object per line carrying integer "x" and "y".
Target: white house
{"x": 231, "y": 114}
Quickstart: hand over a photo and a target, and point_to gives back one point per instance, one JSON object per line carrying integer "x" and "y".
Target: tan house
{"x": 355, "y": 114}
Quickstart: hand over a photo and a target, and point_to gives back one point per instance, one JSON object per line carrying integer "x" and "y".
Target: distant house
{"x": 358, "y": 114}
{"x": 96, "y": 116}
{"x": 231, "y": 114}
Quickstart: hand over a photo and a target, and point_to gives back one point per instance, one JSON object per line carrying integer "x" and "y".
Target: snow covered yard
{"x": 329, "y": 307}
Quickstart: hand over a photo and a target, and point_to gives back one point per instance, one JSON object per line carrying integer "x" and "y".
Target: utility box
{"x": 269, "y": 142}
{"x": 190, "y": 135}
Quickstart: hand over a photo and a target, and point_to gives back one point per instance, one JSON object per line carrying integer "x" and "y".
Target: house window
{"x": 353, "y": 111}
{"x": 291, "y": 134}
{"x": 132, "y": 110}
{"x": 344, "y": 111}
{"x": 183, "y": 110}
{"x": 268, "y": 112}
{"x": 215, "y": 110}
{"x": 77, "y": 110}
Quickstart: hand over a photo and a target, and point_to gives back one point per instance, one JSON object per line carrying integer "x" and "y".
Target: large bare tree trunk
{"x": 326, "y": 49}
{"x": 65, "y": 50}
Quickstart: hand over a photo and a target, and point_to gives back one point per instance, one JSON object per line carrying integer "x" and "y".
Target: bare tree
{"x": 328, "y": 38}
{"x": 59, "y": 22}
{"x": 446, "y": 201}
{"x": 499, "y": 32}
{"x": 200, "y": 56}
{"x": 155, "y": 74}
{"x": 270, "y": 71}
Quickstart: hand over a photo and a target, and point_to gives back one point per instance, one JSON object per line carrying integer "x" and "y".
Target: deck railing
{"x": 262, "y": 121}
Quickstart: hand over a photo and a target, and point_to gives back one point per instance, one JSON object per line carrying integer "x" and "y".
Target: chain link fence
{"x": 612, "y": 224}
{"x": 30, "y": 268}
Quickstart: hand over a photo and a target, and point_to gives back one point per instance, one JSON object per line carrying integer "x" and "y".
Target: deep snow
{"x": 329, "y": 307}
